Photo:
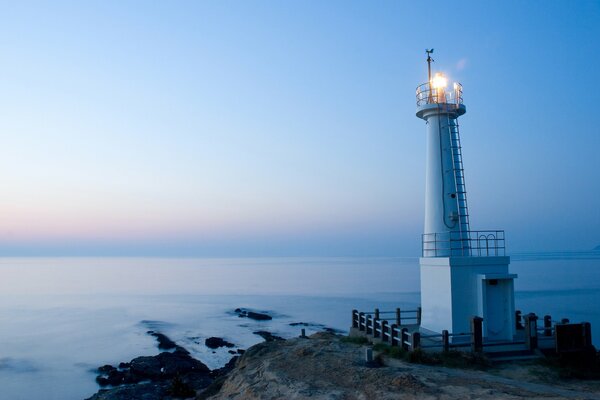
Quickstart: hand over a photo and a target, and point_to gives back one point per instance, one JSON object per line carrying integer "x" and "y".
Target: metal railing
{"x": 466, "y": 243}
{"x": 426, "y": 94}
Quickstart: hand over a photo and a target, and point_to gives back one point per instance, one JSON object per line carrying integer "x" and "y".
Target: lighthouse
{"x": 464, "y": 273}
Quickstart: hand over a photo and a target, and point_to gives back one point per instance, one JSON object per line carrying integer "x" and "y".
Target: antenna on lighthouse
{"x": 429, "y": 60}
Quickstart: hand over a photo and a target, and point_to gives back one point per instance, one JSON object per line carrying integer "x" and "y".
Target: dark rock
{"x": 231, "y": 352}
{"x": 268, "y": 336}
{"x": 147, "y": 367}
{"x": 225, "y": 369}
{"x": 216, "y": 342}
{"x": 180, "y": 363}
{"x": 106, "y": 368}
{"x": 146, "y": 391}
{"x": 258, "y": 316}
{"x": 241, "y": 351}
{"x": 102, "y": 381}
{"x": 164, "y": 342}
{"x": 171, "y": 374}
{"x": 243, "y": 313}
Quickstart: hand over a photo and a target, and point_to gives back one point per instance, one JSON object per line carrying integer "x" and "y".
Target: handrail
{"x": 480, "y": 243}
{"x": 426, "y": 94}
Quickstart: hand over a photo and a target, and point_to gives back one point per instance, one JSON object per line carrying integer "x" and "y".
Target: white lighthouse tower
{"x": 464, "y": 273}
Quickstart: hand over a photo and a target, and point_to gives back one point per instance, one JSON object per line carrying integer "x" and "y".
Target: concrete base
{"x": 455, "y": 289}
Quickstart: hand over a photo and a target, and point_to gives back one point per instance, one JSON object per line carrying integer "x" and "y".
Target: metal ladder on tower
{"x": 461, "y": 192}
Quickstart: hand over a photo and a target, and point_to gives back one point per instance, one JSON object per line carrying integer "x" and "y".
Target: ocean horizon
{"x": 61, "y": 318}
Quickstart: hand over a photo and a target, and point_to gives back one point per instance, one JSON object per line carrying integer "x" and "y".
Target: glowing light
{"x": 439, "y": 81}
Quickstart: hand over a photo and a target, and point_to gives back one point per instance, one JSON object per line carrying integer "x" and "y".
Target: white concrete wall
{"x": 436, "y": 297}
{"x": 451, "y": 291}
{"x": 440, "y": 182}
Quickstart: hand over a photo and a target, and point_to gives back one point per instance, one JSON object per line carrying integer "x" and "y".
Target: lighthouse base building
{"x": 454, "y": 289}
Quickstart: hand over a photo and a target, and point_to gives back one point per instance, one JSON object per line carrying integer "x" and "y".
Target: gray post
{"x": 398, "y": 320}
{"x": 376, "y": 324}
{"x": 369, "y": 327}
{"x": 394, "y": 339}
{"x": 547, "y": 325}
{"x": 419, "y": 310}
{"x": 531, "y": 339}
{"x": 403, "y": 333}
{"x": 476, "y": 334}
{"x": 415, "y": 341}
{"x": 377, "y": 313}
{"x": 445, "y": 341}
{"x": 384, "y": 330}
{"x": 369, "y": 354}
{"x": 303, "y": 333}
{"x": 355, "y": 321}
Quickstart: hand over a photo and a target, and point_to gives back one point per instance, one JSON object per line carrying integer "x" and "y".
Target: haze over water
{"x": 61, "y": 318}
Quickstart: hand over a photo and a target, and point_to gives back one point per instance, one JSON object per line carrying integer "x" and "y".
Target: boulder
{"x": 216, "y": 342}
{"x": 257, "y": 316}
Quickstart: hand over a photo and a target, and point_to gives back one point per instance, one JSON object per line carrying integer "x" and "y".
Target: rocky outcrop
{"x": 258, "y": 316}
{"x": 216, "y": 342}
{"x": 166, "y": 375}
{"x": 326, "y": 367}
{"x": 164, "y": 342}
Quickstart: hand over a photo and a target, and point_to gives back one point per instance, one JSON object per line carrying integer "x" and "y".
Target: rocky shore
{"x": 324, "y": 366}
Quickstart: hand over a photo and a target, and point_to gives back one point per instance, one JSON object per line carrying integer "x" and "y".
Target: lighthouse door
{"x": 496, "y": 318}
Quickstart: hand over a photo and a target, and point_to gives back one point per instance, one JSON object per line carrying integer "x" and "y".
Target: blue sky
{"x": 287, "y": 128}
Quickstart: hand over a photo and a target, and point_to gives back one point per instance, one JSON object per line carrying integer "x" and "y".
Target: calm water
{"x": 62, "y": 317}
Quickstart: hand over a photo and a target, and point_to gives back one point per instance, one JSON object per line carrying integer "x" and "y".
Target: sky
{"x": 270, "y": 128}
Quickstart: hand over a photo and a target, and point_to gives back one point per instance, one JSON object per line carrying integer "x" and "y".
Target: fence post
{"x": 384, "y": 330}
{"x": 415, "y": 341}
{"x": 376, "y": 323}
{"x": 531, "y": 339}
{"x": 547, "y": 325}
{"x": 354, "y": 318}
{"x": 361, "y": 316}
{"x": 368, "y": 326}
{"x": 445, "y": 341}
{"x": 376, "y": 313}
{"x": 476, "y": 334}
{"x": 398, "y": 319}
{"x": 394, "y": 339}
{"x": 403, "y": 333}
{"x": 587, "y": 332}
{"x": 419, "y": 310}
{"x": 518, "y": 316}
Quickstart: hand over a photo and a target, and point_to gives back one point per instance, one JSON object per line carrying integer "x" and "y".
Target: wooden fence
{"x": 399, "y": 334}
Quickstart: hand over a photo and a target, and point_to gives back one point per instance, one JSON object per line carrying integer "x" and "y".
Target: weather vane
{"x": 429, "y": 60}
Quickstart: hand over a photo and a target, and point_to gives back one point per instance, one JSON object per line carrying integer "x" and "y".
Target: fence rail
{"x": 398, "y": 334}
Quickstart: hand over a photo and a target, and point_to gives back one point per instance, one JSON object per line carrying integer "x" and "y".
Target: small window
{"x": 493, "y": 282}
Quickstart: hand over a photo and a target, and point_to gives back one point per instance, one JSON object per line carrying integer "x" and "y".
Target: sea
{"x": 61, "y": 318}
